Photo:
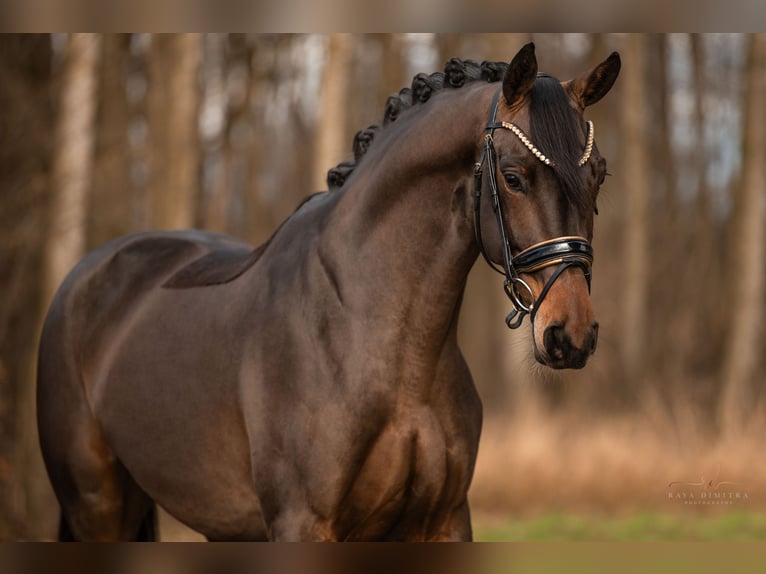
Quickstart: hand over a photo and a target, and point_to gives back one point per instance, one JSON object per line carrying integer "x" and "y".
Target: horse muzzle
{"x": 559, "y": 350}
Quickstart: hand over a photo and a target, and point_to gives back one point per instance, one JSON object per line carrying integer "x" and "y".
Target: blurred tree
{"x": 703, "y": 337}
{"x": 668, "y": 234}
{"x": 392, "y": 66}
{"x": 332, "y": 143}
{"x": 174, "y": 96}
{"x": 748, "y": 264}
{"x": 369, "y": 67}
{"x": 296, "y": 144}
{"x": 25, "y": 149}
{"x": 111, "y": 195}
{"x": 699, "y": 90}
{"x": 259, "y": 211}
{"x": 636, "y": 185}
{"x": 502, "y": 47}
{"x": 448, "y": 46}
{"x": 236, "y": 70}
{"x": 664, "y": 156}
{"x": 72, "y": 159}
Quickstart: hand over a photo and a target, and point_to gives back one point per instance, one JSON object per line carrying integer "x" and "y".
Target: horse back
{"x": 101, "y": 290}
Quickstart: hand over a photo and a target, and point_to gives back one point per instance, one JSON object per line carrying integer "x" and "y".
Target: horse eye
{"x": 513, "y": 181}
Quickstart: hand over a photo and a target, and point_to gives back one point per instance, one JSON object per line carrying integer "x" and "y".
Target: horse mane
{"x": 457, "y": 73}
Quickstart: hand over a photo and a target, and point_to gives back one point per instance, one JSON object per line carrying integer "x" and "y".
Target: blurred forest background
{"x": 102, "y": 135}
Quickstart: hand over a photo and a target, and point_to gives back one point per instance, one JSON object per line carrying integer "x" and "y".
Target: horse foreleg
{"x": 457, "y": 527}
{"x": 300, "y": 526}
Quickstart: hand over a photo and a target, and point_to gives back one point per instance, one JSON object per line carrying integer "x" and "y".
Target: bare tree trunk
{"x": 669, "y": 240}
{"x": 259, "y": 211}
{"x": 449, "y": 46}
{"x": 332, "y": 145}
{"x": 110, "y": 198}
{"x": 392, "y": 65}
{"x": 670, "y": 235}
{"x": 217, "y": 208}
{"x": 665, "y": 155}
{"x": 749, "y": 255}
{"x": 73, "y": 160}
{"x": 367, "y": 71}
{"x": 173, "y": 114}
{"x": 704, "y": 209}
{"x": 636, "y": 189}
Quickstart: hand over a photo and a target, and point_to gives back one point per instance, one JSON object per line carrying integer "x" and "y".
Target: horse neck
{"x": 403, "y": 232}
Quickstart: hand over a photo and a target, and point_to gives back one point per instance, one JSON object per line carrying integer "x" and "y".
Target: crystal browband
{"x": 542, "y": 157}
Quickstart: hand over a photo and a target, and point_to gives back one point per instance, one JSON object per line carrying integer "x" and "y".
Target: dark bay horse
{"x": 313, "y": 388}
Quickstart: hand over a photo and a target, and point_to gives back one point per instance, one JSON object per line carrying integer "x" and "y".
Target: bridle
{"x": 566, "y": 252}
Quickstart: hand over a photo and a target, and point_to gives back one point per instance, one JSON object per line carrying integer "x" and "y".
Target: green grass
{"x": 646, "y": 527}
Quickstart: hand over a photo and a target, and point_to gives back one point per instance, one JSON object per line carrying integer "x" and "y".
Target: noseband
{"x": 562, "y": 251}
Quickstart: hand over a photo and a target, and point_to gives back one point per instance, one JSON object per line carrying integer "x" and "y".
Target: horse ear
{"x": 520, "y": 75}
{"x": 594, "y": 85}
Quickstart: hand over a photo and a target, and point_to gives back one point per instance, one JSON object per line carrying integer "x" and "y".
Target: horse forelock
{"x": 555, "y": 129}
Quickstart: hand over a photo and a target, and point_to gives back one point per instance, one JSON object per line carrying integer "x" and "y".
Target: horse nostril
{"x": 561, "y": 350}
{"x": 556, "y": 340}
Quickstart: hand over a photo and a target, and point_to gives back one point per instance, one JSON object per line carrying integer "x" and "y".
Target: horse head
{"x": 537, "y": 180}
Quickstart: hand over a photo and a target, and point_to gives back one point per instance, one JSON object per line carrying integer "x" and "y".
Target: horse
{"x": 313, "y": 388}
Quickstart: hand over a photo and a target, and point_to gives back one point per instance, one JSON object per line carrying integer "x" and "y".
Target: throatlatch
{"x": 568, "y": 251}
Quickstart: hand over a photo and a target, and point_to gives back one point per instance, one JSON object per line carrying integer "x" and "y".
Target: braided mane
{"x": 456, "y": 74}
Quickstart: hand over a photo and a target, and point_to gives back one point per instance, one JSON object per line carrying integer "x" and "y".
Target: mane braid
{"x": 424, "y": 86}
{"x": 456, "y": 74}
{"x": 556, "y": 132}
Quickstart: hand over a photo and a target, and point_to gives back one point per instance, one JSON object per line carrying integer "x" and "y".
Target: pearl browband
{"x": 542, "y": 157}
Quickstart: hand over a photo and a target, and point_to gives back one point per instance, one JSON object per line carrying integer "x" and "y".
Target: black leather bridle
{"x": 565, "y": 252}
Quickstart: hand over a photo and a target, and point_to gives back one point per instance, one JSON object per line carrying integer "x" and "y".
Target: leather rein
{"x": 567, "y": 251}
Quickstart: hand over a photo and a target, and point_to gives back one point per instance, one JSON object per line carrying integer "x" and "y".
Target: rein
{"x": 568, "y": 251}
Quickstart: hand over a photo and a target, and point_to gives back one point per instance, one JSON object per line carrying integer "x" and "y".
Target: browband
{"x": 536, "y": 152}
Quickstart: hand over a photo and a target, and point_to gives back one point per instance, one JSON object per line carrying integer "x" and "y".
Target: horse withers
{"x": 313, "y": 388}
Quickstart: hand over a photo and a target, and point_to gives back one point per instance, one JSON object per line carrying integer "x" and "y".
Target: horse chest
{"x": 411, "y": 479}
